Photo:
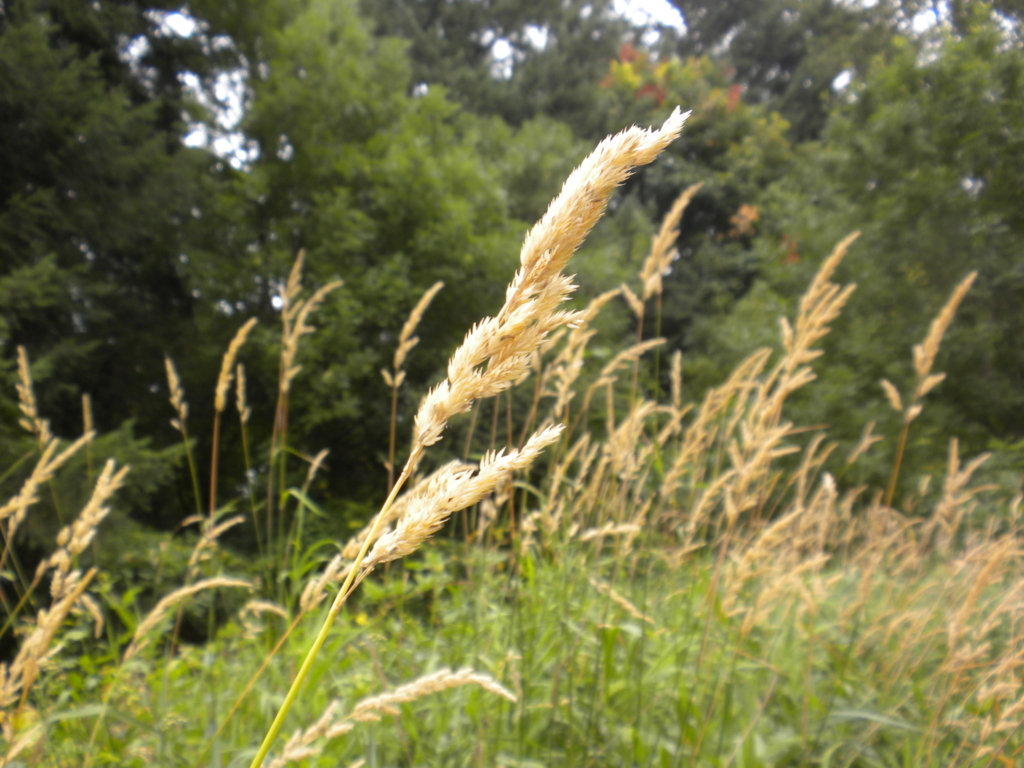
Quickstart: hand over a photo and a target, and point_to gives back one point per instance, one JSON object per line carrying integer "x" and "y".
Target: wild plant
{"x": 495, "y": 353}
{"x": 676, "y": 585}
{"x": 924, "y": 359}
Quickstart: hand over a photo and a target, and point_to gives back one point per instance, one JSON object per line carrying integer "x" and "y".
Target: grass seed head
{"x": 177, "y": 396}
{"x": 228, "y": 363}
{"x": 140, "y": 639}
{"x": 660, "y": 259}
{"x": 31, "y": 421}
{"x": 451, "y": 489}
{"x": 498, "y": 350}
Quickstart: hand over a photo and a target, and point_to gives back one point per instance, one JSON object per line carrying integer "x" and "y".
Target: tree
{"x": 94, "y": 185}
{"x": 121, "y": 245}
{"x": 556, "y": 53}
{"x": 787, "y": 54}
{"x": 735, "y": 149}
{"x": 382, "y": 189}
{"x": 925, "y": 159}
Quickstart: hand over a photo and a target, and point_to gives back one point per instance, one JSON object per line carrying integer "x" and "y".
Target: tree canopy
{"x": 161, "y": 167}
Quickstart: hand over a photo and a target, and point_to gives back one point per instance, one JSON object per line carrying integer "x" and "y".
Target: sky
{"x": 650, "y": 12}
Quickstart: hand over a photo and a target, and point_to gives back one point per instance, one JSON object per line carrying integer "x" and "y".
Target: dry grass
{"x": 163, "y": 608}
{"x": 729, "y": 495}
{"x": 497, "y": 352}
{"x": 330, "y": 726}
{"x": 396, "y": 376}
{"x": 924, "y": 359}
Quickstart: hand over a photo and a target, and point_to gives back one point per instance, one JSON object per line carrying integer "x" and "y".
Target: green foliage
{"x": 596, "y": 684}
{"x": 122, "y": 247}
{"x": 90, "y": 194}
{"x": 922, "y": 160}
{"x": 118, "y": 246}
{"x": 387, "y": 192}
{"x": 735, "y": 150}
{"x": 557, "y": 52}
{"x": 787, "y": 54}
{"x": 93, "y": 188}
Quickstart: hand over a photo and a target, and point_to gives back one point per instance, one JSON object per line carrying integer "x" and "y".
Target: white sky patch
{"x": 178, "y": 23}
{"x": 135, "y": 49}
{"x": 502, "y": 49}
{"x": 229, "y": 91}
{"x": 198, "y": 137}
{"x": 537, "y": 37}
{"x": 972, "y": 186}
{"x": 930, "y": 17}
{"x": 934, "y": 15}
{"x": 641, "y": 13}
{"x": 842, "y": 80}
{"x": 644, "y": 12}
{"x": 502, "y": 59}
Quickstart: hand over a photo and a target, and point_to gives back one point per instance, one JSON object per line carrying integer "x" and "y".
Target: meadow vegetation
{"x": 616, "y": 576}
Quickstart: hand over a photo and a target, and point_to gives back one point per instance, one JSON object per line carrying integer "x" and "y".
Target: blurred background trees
{"x": 161, "y": 166}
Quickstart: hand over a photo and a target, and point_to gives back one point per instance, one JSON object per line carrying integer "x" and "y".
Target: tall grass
{"x": 670, "y": 584}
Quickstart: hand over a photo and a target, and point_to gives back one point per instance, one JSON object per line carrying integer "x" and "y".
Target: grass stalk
{"x": 325, "y": 628}
{"x": 249, "y": 488}
{"x": 214, "y": 450}
{"x": 901, "y": 444}
{"x": 392, "y": 429}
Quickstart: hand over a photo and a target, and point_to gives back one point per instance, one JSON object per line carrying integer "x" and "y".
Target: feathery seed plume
{"x": 609, "y": 529}
{"x": 299, "y": 746}
{"x": 660, "y": 258}
{"x": 34, "y": 653}
{"x": 328, "y": 726}
{"x": 17, "y": 677}
{"x": 451, "y": 489}
{"x": 228, "y": 362}
{"x": 314, "y": 466}
{"x": 568, "y": 363}
{"x": 505, "y": 343}
{"x": 495, "y": 353}
{"x": 316, "y": 589}
{"x": 819, "y": 306}
{"x": 867, "y": 439}
{"x": 396, "y": 377}
{"x": 162, "y": 608}
{"x": 294, "y": 314}
{"x": 924, "y": 359}
{"x": 177, "y": 396}
{"x": 607, "y": 376}
{"x": 252, "y": 609}
{"x": 925, "y": 352}
{"x": 406, "y": 340}
{"x": 633, "y": 300}
{"x": 243, "y": 409}
{"x": 17, "y": 507}
{"x": 620, "y": 601}
{"x": 265, "y": 606}
{"x": 31, "y": 422}
{"x": 208, "y": 540}
{"x": 442, "y": 680}
{"x": 73, "y": 539}
{"x": 395, "y": 512}
{"x": 676, "y": 378}
{"x": 892, "y": 395}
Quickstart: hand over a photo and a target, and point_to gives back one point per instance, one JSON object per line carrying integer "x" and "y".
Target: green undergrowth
{"x": 671, "y": 679}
